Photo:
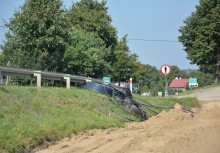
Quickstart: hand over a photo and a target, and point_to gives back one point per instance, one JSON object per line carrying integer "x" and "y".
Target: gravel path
{"x": 207, "y": 95}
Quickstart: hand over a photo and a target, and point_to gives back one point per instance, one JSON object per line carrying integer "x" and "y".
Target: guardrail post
{"x": 38, "y": 75}
{"x": 67, "y": 78}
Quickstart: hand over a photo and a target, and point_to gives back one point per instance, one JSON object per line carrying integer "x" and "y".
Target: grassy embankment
{"x": 30, "y": 116}
{"x": 166, "y": 102}
{"x": 187, "y": 102}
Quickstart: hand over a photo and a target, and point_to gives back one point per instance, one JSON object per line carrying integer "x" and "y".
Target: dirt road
{"x": 168, "y": 132}
{"x": 208, "y": 95}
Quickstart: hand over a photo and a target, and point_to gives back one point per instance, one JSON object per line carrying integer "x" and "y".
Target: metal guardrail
{"x": 9, "y": 71}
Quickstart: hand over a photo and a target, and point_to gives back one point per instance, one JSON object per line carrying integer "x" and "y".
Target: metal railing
{"x": 19, "y": 72}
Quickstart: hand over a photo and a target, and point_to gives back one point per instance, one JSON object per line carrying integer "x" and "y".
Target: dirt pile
{"x": 168, "y": 132}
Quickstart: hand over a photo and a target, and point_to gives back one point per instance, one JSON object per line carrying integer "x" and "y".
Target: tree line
{"x": 81, "y": 40}
{"x": 200, "y": 37}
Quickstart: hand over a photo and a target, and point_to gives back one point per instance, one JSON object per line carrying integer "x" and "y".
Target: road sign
{"x": 160, "y": 94}
{"x": 193, "y": 82}
{"x": 165, "y": 69}
{"x": 106, "y": 79}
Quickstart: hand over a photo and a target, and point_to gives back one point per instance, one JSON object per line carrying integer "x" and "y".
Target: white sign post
{"x": 165, "y": 70}
{"x": 131, "y": 85}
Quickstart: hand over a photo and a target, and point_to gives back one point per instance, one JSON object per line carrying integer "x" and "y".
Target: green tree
{"x": 204, "y": 79}
{"x": 2, "y": 62}
{"x": 201, "y": 36}
{"x": 135, "y": 66}
{"x": 37, "y": 36}
{"x": 85, "y": 55}
{"x": 150, "y": 79}
{"x": 126, "y": 65}
{"x": 91, "y": 16}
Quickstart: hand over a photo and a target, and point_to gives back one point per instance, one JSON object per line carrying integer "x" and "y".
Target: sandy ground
{"x": 168, "y": 132}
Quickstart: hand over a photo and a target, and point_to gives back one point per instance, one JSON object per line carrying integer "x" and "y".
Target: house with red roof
{"x": 179, "y": 84}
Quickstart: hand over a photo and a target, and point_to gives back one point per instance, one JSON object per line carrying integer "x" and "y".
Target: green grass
{"x": 29, "y": 116}
{"x": 170, "y": 101}
{"x": 187, "y": 102}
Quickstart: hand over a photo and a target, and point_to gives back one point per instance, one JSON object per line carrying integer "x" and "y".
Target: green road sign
{"x": 192, "y": 80}
{"x": 106, "y": 79}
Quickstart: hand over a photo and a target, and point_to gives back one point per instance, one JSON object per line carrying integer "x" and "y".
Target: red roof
{"x": 179, "y": 83}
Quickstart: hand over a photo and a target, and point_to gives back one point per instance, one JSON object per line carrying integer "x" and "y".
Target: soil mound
{"x": 174, "y": 131}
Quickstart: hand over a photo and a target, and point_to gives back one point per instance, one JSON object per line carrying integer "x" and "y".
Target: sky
{"x": 145, "y": 22}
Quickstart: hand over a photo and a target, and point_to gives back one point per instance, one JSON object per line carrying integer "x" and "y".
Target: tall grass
{"x": 31, "y": 116}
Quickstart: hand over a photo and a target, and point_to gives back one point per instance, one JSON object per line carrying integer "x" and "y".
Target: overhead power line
{"x": 138, "y": 39}
{"x": 159, "y": 40}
